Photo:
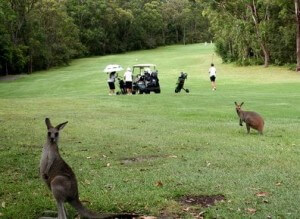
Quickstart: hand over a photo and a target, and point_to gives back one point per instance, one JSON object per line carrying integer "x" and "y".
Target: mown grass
{"x": 191, "y": 143}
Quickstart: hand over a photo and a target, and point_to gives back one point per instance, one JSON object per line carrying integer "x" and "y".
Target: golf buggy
{"x": 180, "y": 83}
{"x": 146, "y": 79}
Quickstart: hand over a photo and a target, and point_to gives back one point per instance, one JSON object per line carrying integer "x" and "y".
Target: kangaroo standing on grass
{"x": 60, "y": 178}
{"x": 252, "y": 119}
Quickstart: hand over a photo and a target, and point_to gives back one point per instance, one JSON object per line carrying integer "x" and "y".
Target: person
{"x": 147, "y": 70}
{"x": 111, "y": 82}
{"x": 213, "y": 76}
{"x": 128, "y": 80}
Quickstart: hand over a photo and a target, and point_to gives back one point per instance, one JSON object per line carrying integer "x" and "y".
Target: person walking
{"x": 128, "y": 80}
{"x": 212, "y": 75}
{"x": 111, "y": 82}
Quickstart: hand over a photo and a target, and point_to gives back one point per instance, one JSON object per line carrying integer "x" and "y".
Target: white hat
{"x": 128, "y": 69}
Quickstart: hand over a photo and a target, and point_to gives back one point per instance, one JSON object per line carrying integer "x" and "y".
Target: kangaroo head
{"x": 53, "y": 132}
{"x": 238, "y": 107}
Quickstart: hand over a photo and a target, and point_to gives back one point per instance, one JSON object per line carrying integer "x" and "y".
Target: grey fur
{"x": 61, "y": 180}
{"x": 59, "y": 176}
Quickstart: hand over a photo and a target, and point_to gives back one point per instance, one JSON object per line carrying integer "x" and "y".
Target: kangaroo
{"x": 252, "y": 119}
{"x": 61, "y": 179}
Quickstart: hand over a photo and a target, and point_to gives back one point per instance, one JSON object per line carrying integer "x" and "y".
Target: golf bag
{"x": 122, "y": 87}
{"x": 180, "y": 83}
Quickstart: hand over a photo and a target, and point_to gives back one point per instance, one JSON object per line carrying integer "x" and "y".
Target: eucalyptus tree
{"x": 297, "y": 13}
{"x": 14, "y": 34}
{"x": 39, "y": 34}
{"x": 260, "y": 13}
{"x": 253, "y": 31}
{"x": 174, "y": 12}
{"x": 233, "y": 32}
{"x": 35, "y": 34}
{"x": 6, "y": 45}
{"x": 147, "y": 25}
{"x": 54, "y": 38}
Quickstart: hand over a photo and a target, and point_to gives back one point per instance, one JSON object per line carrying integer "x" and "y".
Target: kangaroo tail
{"x": 83, "y": 211}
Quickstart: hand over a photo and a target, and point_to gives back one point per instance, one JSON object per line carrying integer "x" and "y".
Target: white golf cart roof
{"x": 144, "y": 65}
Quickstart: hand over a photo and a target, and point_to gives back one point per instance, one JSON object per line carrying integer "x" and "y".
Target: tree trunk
{"x": 183, "y": 34}
{"x": 266, "y": 54}
{"x": 231, "y": 49}
{"x": 30, "y": 70}
{"x": 263, "y": 44}
{"x": 163, "y": 37}
{"x": 6, "y": 68}
{"x": 297, "y": 12}
{"x": 195, "y": 33}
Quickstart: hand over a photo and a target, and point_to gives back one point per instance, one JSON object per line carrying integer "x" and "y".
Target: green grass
{"x": 193, "y": 141}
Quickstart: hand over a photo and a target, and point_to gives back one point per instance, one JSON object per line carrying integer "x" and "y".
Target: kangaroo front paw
{"x": 45, "y": 176}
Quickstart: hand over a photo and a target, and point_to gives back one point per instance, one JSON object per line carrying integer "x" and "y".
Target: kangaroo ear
{"x": 235, "y": 103}
{"x": 242, "y": 103}
{"x": 61, "y": 126}
{"x": 48, "y": 123}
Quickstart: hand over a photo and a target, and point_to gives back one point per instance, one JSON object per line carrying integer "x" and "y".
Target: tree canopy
{"x": 253, "y": 31}
{"x": 39, "y": 34}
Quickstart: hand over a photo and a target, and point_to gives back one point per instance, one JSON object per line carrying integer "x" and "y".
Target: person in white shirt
{"x": 213, "y": 76}
{"x": 128, "y": 80}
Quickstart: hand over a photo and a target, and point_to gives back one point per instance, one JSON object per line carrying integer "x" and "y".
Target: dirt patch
{"x": 124, "y": 216}
{"x": 131, "y": 160}
{"x": 11, "y": 77}
{"x": 203, "y": 200}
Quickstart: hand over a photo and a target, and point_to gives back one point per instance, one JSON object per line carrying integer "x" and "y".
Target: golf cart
{"x": 146, "y": 79}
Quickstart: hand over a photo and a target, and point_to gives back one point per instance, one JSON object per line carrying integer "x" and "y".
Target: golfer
{"x": 111, "y": 82}
{"x": 212, "y": 75}
{"x": 128, "y": 80}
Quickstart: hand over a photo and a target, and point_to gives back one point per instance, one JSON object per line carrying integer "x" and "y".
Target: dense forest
{"x": 39, "y": 34}
{"x": 254, "y": 31}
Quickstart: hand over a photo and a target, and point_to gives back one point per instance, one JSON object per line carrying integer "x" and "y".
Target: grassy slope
{"x": 214, "y": 154}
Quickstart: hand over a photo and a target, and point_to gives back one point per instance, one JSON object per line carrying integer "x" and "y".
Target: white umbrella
{"x": 112, "y": 68}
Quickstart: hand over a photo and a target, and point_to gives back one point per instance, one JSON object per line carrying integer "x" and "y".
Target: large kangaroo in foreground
{"x": 252, "y": 119}
{"x": 60, "y": 178}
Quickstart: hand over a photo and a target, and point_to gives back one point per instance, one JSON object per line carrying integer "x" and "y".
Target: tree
{"x": 297, "y": 12}
{"x": 39, "y": 34}
{"x": 5, "y": 40}
{"x": 253, "y": 31}
{"x": 259, "y": 22}
{"x": 54, "y": 38}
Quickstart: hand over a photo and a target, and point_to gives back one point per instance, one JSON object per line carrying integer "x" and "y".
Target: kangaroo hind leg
{"x": 61, "y": 211}
{"x": 248, "y": 128}
{"x": 60, "y": 187}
